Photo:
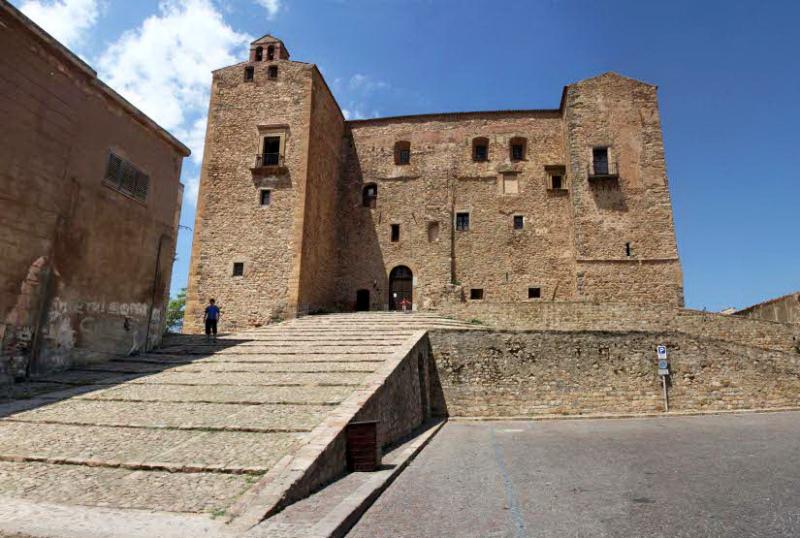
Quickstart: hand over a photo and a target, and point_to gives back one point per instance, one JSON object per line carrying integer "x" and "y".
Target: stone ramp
{"x": 214, "y": 430}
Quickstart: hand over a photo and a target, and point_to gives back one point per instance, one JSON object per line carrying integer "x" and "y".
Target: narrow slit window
{"x": 628, "y": 249}
{"x": 266, "y": 197}
{"x": 476, "y": 294}
{"x": 395, "y": 233}
{"x": 534, "y": 293}
{"x": 238, "y": 268}
{"x": 462, "y": 222}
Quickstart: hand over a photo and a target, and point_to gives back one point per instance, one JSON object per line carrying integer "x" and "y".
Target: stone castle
{"x": 301, "y": 210}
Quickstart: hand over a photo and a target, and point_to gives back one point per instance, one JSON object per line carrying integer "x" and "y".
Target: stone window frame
{"x": 479, "y": 141}
{"x": 399, "y": 147}
{"x": 476, "y": 294}
{"x": 556, "y": 170}
{"x": 237, "y": 270}
{"x": 267, "y": 131}
{"x": 369, "y": 201}
{"x": 503, "y": 177}
{"x": 518, "y": 141}
{"x": 455, "y": 220}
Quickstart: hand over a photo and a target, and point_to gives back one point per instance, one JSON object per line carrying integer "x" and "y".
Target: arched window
{"x": 369, "y": 196}
{"x": 480, "y": 149}
{"x": 271, "y": 52}
{"x": 259, "y": 54}
{"x": 402, "y": 152}
{"x": 518, "y": 148}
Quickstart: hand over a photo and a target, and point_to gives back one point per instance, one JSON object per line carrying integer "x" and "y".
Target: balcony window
{"x": 271, "y": 155}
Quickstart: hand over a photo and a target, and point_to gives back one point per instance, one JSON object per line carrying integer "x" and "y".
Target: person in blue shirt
{"x": 211, "y": 317}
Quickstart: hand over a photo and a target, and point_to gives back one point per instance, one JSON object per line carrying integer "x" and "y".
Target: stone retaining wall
{"x": 586, "y": 316}
{"x": 515, "y": 373}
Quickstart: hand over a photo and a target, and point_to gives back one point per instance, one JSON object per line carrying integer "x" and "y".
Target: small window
{"x": 402, "y": 152}
{"x": 462, "y": 222}
{"x": 480, "y": 149}
{"x": 433, "y": 231}
{"x": 476, "y": 294}
{"x": 271, "y": 52}
{"x": 259, "y": 54}
{"x": 517, "y": 148}
{"x": 272, "y": 151}
{"x": 369, "y": 195}
{"x": 238, "y": 268}
{"x": 272, "y": 72}
{"x": 534, "y": 293}
{"x": 519, "y": 222}
{"x": 266, "y": 196}
{"x": 555, "y": 177}
{"x": 395, "y": 233}
{"x": 628, "y": 249}
{"x": 248, "y": 73}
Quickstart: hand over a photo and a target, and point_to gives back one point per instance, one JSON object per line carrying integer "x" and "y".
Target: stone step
{"x": 144, "y": 448}
{"x": 186, "y": 416}
{"x": 172, "y": 377}
{"x": 298, "y": 395}
{"x": 121, "y": 488}
{"x": 257, "y": 367}
{"x": 264, "y": 358}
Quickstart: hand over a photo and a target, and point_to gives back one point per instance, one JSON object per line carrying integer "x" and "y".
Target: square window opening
{"x": 519, "y": 222}
{"x": 476, "y": 294}
{"x": 462, "y": 222}
{"x": 534, "y": 293}
{"x": 238, "y": 268}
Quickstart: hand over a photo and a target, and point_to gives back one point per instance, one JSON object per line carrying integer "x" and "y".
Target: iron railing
{"x": 603, "y": 169}
{"x": 269, "y": 159}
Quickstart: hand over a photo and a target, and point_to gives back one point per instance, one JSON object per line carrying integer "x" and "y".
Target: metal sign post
{"x": 663, "y": 372}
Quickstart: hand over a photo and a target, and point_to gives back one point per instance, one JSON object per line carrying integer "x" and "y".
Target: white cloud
{"x": 272, "y": 7}
{"x": 66, "y": 20}
{"x": 356, "y": 94}
{"x": 164, "y": 66}
{"x": 191, "y": 188}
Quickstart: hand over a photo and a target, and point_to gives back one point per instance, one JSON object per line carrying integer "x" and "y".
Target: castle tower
{"x": 267, "y": 192}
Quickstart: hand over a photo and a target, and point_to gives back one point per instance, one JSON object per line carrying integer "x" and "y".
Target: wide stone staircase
{"x": 197, "y": 433}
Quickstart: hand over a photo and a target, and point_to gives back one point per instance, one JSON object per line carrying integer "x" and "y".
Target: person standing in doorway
{"x": 211, "y": 317}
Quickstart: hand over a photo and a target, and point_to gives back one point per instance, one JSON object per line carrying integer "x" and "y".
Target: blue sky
{"x": 728, "y": 76}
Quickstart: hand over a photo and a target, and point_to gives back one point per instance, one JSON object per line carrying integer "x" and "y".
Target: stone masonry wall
{"x": 784, "y": 309}
{"x": 516, "y": 373}
{"x": 231, "y": 225}
{"x": 621, "y": 114}
{"x": 585, "y": 316}
{"x": 317, "y": 286}
{"x": 442, "y": 180}
{"x": 85, "y": 267}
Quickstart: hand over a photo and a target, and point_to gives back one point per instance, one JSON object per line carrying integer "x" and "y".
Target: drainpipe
{"x": 153, "y": 296}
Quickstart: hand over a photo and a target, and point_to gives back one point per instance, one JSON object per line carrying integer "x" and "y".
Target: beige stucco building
{"x": 301, "y": 210}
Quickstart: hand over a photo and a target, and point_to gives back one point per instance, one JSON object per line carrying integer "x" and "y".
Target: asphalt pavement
{"x": 728, "y": 475}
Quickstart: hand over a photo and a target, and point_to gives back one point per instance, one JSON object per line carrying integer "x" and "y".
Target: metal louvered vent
{"x": 126, "y": 178}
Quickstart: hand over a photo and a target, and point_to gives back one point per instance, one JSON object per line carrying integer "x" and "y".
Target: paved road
{"x": 734, "y": 475}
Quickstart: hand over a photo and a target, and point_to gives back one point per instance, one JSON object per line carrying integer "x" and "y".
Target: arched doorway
{"x": 401, "y": 281}
{"x": 362, "y": 300}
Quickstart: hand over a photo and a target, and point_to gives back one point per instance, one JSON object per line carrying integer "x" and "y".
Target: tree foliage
{"x": 175, "y": 311}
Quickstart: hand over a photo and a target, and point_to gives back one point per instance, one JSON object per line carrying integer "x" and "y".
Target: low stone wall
{"x": 586, "y": 316}
{"x": 517, "y": 373}
{"x": 784, "y": 309}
